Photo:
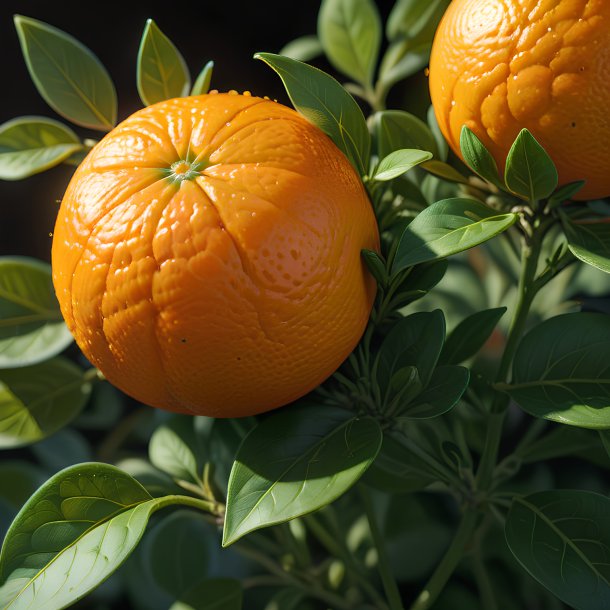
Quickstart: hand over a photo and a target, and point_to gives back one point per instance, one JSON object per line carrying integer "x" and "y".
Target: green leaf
{"x": 561, "y": 370}
{"x": 409, "y": 18}
{"x": 565, "y": 192}
{"x": 398, "y": 163}
{"x": 62, "y": 449}
{"x": 31, "y": 326}
{"x": 177, "y": 551}
{"x": 162, "y": 72}
{"x": 530, "y": 172}
{"x": 396, "y": 469}
{"x": 38, "y": 400}
{"x": 439, "y": 138}
{"x": 69, "y": 76}
{"x": 30, "y": 145}
{"x": 590, "y": 242}
{"x": 202, "y": 83}
{"x": 444, "y": 171}
{"x": 350, "y": 33}
{"x": 173, "y": 449}
{"x": 562, "y": 538}
{"x": 212, "y": 594}
{"x": 304, "y": 48}
{"x": 71, "y": 535}
{"x": 446, "y": 228}
{"x": 376, "y": 266}
{"x": 478, "y": 158}
{"x": 416, "y": 340}
{"x": 469, "y": 336}
{"x": 395, "y": 129}
{"x": 18, "y": 481}
{"x": 605, "y": 438}
{"x": 326, "y": 104}
{"x": 442, "y": 393}
{"x": 294, "y": 462}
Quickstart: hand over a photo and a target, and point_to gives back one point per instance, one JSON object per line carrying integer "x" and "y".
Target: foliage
{"x": 430, "y": 450}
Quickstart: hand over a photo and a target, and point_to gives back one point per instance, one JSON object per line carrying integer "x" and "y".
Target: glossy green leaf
{"x": 31, "y": 326}
{"x": 443, "y": 392}
{"x": 73, "y": 533}
{"x": 69, "y": 76}
{"x": 396, "y": 129}
{"x": 294, "y": 462}
{"x": 562, "y": 538}
{"x": 399, "y": 162}
{"x": 350, "y": 33}
{"x": 396, "y": 469}
{"x": 444, "y": 171}
{"x": 446, "y": 228}
{"x": 212, "y": 594}
{"x": 30, "y": 145}
{"x": 590, "y": 242}
{"x": 173, "y": 448}
{"x": 304, "y": 48}
{"x": 38, "y": 400}
{"x": 530, "y": 172}
{"x": 162, "y": 72}
{"x": 376, "y": 266}
{"x": 416, "y": 340}
{"x": 202, "y": 82}
{"x": 177, "y": 551}
{"x": 478, "y": 158}
{"x": 469, "y": 336}
{"x": 326, "y": 104}
{"x": 561, "y": 370}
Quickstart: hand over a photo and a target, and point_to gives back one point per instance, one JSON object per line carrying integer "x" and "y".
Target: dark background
{"x": 225, "y": 31}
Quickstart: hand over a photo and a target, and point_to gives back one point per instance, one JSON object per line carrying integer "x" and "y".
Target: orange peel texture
{"x": 498, "y": 66}
{"x": 206, "y": 256}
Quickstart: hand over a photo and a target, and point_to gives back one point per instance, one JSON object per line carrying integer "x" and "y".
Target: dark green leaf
{"x": 396, "y": 129}
{"x": 448, "y": 227}
{"x": 18, "y": 481}
{"x": 350, "y": 33}
{"x": 478, "y": 158}
{"x": 469, "y": 336}
{"x": 561, "y": 370}
{"x": 31, "y": 326}
{"x": 74, "y": 532}
{"x": 177, "y": 551}
{"x": 304, "y": 48}
{"x": 562, "y": 538}
{"x": 441, "y": 143}
{"x": 376, "y": 266}
{"x": 399, "y": 162}
{"x": 162, "y": 72}
{"x": 326, "y": 104}
{"x": 590, "y": 242}
{"x": 294, "y": 462}
{"x": 62, "y": 449}
{"x": 69, "y": 76}
{"x": 530, "y": 172}
{"x": 202, "y": 83}
{"x": 416, "y": 340}
{"x": 173, "y": 448}
{"x": 565, "y": 192}
{"x": 396, "y": 469}
{"x": 212, "y": 594}
{"x": 30, "y": 145}
{"x": 605, "y": 438}
{"x": 442, "y": 393}
{"x": 445, "y": 171}
{"x": 38, "y": 400}
{"x": 402, "y": 59}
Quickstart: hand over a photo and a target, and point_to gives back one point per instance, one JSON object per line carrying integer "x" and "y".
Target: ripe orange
{"x": 498, "y": 66}
{"x": 206, "y": 255}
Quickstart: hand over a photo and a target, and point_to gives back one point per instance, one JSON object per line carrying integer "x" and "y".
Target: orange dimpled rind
{"x": 498, "y": 66}
{"x": 206, "y": 255}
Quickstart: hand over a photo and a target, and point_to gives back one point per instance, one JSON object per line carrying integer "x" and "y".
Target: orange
{"x": 206, "y": 255}
{"x": 498, "y": 66}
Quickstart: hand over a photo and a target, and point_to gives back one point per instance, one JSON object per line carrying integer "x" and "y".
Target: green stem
{"x": 450, "y": 561}
{"x": 526, "y": 291}
{"x": 383, "y": 562}
{"x": 484, "y": 584}
{"x": 204, "y": 505}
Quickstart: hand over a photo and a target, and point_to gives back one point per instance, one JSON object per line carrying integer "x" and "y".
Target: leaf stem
{"x": 383, "y": 563}
{"x": 450, "y": 561}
